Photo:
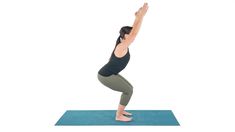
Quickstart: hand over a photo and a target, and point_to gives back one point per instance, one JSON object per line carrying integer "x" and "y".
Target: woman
{"x": 109, "y": 73}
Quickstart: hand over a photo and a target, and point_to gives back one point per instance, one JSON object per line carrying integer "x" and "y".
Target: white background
{"x": 182, "y": 60}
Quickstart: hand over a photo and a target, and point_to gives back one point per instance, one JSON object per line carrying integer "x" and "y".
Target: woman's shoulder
{"x": 119, "y": 52}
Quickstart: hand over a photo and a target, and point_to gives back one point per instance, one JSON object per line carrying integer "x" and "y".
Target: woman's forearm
{"x": 138, "y": 19}
{"x": 136, "y": 25}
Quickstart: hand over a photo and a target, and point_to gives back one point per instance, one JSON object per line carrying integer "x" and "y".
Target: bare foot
{"x": 123, "y": 118}
{"x": 126, "y": 113}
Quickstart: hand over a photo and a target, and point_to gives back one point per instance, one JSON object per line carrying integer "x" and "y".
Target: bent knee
{"x": 129, "y": 91}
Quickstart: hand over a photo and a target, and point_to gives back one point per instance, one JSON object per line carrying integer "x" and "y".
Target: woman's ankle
{"x": 118, "y": 114}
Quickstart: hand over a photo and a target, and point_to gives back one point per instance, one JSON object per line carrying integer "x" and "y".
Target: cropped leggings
{"x": 118, "y": 83}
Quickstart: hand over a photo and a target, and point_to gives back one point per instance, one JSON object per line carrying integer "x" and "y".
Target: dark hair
{"x": 124, "y": 30}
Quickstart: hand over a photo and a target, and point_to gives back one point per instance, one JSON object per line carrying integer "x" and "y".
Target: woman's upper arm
{"x": 126, "y": 42}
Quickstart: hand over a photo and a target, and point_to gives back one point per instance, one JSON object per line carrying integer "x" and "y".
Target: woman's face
{"x": 126, "y": 36}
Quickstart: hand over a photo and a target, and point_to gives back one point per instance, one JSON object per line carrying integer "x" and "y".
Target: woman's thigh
{"x": 115, "y": 82}
{"x": 124, "y": 79}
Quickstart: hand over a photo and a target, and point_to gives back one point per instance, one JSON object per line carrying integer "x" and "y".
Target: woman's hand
{"x": 142, "y": 10}
{"x": 135, "y": 28}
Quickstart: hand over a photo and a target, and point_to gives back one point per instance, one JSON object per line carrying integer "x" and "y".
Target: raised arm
{"x": 138, "y": 20}
{"x": 139, "y": 15}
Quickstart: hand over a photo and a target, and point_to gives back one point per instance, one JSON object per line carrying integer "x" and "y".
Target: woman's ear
{"x": 126, "y": 35}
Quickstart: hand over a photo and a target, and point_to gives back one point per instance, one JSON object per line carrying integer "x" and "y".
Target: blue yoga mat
{"x": 107, "y": 117}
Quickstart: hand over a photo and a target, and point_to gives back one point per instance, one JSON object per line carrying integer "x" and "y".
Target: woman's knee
{"x": 129, "y": 91}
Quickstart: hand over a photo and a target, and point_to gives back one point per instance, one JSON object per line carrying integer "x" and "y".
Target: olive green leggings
{"x": 118, "y": 83}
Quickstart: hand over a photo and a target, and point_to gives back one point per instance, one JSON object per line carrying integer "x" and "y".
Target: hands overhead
{"x": 142, "y": 10}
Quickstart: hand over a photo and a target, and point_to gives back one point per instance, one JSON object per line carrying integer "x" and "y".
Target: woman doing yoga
{"x": 109, "y": 75}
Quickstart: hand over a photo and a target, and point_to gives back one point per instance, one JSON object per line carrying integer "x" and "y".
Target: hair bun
{"x": 125, "y": 30}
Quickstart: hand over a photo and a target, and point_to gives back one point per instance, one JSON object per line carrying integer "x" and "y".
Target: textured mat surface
{"x": 107, "y": 117}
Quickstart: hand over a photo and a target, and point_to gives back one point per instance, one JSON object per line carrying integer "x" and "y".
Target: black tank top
{"x": 115, "y": 64}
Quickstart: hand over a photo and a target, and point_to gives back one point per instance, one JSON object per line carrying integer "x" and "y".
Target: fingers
{"x": 142, "y": 10}
{"x": 145, "y": 6}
